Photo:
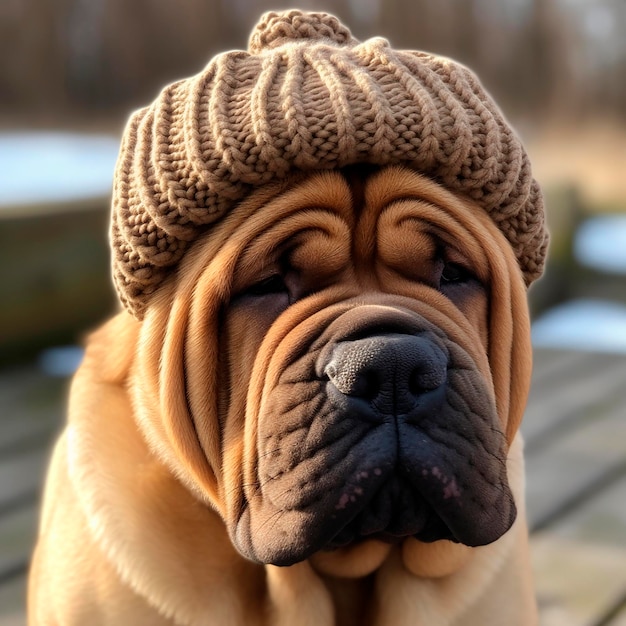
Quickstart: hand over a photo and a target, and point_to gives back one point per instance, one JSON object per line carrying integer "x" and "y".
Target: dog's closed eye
{"x": 270, "y": 285}
{"x": 454, "y": 273}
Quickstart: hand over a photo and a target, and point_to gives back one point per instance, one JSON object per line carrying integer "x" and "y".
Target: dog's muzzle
{"x": 384, "y": 432}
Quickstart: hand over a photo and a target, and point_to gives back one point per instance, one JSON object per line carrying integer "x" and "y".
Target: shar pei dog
{"x": 307, "y": 411}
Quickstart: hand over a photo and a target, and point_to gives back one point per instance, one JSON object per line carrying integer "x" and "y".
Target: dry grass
{"x": 592, "y": 157}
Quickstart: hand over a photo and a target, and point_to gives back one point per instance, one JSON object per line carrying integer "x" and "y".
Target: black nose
{"x": 391, "y": 372}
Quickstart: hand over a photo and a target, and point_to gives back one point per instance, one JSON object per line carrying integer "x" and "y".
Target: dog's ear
{"x": 160, "y": 389}
{"x": 510, "y": 349}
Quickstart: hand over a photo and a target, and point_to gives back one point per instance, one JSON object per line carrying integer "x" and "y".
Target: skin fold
{"x": 226, "y": 462}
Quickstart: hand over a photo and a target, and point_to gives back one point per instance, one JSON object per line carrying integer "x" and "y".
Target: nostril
{"x": 415, "y": 384}
{"x": 331, "y": 371}
{"x": 367, "y": 385}
{"x": 422, "y": 380}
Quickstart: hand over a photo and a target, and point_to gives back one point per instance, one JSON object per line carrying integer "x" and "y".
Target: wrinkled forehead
{"x": 390, "y": 212}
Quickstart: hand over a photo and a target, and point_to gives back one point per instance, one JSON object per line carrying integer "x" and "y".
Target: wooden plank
{"x": 576, "y": 580}
{"x": 578, "y": 458}
{"x": 618, "y": 620}
{"x": 21, "y": 478}
{"x": 12, "y": 602}
{"x": 595, "y": 382}
{"x": 580, "y": 562}
{"x": 31, "y": 408}
{"x": 31, "y": 411}
{"x": 616, "y": 613}
{"x": 553, "y": 366}
{"x": 551, "y": 362}
{"x": 17, "y": 537}
{"x": 576, "y": 435}
{"x": 601, "y": 521}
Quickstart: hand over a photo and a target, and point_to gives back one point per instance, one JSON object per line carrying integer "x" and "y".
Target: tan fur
{"x": 132, "y": 528}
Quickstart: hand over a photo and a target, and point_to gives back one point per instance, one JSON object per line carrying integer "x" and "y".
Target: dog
{"x": 315, "y": 423}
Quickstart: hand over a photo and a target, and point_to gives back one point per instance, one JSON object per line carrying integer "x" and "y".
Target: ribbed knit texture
{"x": 307, "y": 96}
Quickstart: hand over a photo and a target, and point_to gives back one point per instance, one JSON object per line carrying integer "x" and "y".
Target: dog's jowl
{"x": 307, "y": 409}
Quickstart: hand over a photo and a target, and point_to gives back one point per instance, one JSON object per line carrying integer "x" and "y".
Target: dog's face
{"x": 338, "y": 361}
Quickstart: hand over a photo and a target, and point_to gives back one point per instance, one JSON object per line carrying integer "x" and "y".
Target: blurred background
{"x": 71, "y": 71}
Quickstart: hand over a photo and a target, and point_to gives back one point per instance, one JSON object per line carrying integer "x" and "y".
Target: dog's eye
{"x": 271, "y": 285}
{"x": 453, "y": 273}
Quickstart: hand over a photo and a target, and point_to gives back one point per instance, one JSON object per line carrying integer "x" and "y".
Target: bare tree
{"x": 69, "y": 55}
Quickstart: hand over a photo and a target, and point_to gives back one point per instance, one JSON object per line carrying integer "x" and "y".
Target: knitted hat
{"x": 305, "y": 96}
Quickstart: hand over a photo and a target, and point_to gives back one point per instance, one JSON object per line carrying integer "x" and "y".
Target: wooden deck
{"x": 575, "y": 431}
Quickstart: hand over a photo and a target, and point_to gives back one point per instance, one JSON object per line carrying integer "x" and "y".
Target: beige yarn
{"x": 306, "y": 96}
